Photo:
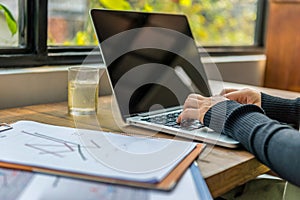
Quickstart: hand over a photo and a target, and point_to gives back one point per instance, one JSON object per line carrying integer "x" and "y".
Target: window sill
{"x": 234, "y": 59}
{"x": 48, "y": 84}
{"x": 42, "y": 69}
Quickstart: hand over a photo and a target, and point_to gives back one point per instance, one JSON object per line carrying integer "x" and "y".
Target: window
{"x": 8, "y": 38}
{"x": 213, "y": 22}
{"x": 60, "y": 32}
{"x": 69, "y": 23}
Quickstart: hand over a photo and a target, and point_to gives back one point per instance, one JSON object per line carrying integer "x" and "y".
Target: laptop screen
{"x": 151, "y": 58}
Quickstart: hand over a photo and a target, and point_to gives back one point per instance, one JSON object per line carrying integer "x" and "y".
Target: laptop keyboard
{"x": 169, "y": 119}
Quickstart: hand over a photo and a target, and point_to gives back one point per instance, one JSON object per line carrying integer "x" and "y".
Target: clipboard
{"x": 167, "y": 183}
{"x": 200, "y": 183}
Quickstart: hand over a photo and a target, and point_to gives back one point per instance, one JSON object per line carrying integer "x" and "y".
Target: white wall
{"x": 238, "y": 69}
{"x": 21, "y": 87}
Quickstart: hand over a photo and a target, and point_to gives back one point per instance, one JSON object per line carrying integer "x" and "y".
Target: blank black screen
{"x": 147, "y": 78}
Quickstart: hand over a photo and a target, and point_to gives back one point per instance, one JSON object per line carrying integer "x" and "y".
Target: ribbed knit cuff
{"x": 282, "y": 110}
{"x": 217, "y": 115}
{"x": 247, "y": 124}
{"x": 225, "y": 117}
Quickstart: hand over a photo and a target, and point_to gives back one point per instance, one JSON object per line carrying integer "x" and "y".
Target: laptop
{"x": 153, "y": 64}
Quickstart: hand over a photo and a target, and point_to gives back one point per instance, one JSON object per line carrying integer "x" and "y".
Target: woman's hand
{"x": 196, "y": 106}
{"x": 243, "y": 96}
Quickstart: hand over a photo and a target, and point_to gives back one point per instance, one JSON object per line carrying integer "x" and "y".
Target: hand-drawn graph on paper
{"x": 93, "y": 155}
{"x": 13, "y": 182}
{"x": 57, "y": 147}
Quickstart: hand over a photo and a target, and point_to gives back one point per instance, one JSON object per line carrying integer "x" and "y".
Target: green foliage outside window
{"x": 213, "y": 22}
{"x": 10, "y": 20}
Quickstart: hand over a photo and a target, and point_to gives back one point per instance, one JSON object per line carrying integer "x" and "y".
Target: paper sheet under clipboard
{"x": 95, "y": 155}
{"x": 20, "y": 185}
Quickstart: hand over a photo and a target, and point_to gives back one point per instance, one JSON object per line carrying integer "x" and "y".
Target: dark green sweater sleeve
{"x": 274, "y": 144}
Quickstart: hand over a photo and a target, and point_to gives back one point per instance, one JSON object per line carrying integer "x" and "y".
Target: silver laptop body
{"x": 153, "y": 64}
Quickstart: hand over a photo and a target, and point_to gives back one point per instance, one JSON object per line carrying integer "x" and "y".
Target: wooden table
{"x": 222, "y": 168}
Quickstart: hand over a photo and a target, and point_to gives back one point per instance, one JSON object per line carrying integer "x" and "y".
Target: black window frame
{"x": 34, "y": 51}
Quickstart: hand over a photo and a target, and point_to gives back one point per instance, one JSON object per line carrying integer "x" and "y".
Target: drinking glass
{"x": 83, "y": 90}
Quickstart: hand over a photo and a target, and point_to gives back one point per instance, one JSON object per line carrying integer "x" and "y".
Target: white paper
{"x": 45, "y": 187}
{"x": 91, "y": 152}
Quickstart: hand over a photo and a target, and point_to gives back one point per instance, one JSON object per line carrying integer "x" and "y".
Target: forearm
{"x": 282, "y": 110}
{"x": 274, "y": 144}
{"x": 268, "y": 140}
{"x": 283, "y": 150}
